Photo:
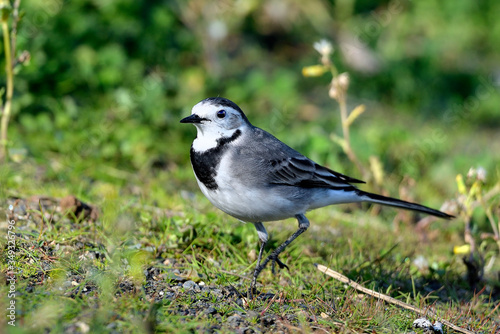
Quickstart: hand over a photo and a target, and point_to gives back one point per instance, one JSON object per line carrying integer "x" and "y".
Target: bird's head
{"x": 217, "y": 117}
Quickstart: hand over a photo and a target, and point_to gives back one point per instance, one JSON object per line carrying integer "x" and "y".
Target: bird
{"x": 254, "y": 177}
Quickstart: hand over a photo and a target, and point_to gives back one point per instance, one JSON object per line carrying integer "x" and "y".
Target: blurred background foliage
{"x": 109, "y": 80}
{"x": 96, "y": 114}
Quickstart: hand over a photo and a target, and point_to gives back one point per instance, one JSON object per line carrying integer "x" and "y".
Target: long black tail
{"x": 379, "y": 199}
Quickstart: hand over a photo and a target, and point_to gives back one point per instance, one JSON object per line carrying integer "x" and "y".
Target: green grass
{"x": 95, "y": 115}
{"x": 78, "y": 275}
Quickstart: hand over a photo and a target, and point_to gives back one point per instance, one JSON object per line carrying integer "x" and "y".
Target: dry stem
{"x": 386, "y": 298}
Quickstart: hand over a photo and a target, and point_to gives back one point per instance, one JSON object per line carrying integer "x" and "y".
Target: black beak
{"x": 193, "y": 119}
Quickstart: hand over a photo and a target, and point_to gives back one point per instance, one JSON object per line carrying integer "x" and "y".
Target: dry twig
{"x": 386, "y": 298}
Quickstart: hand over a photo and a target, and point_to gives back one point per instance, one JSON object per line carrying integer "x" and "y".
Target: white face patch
{"x": 215, "y": 127}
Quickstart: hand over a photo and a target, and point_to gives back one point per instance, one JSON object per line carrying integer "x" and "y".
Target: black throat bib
{"x": 205, "y": 163}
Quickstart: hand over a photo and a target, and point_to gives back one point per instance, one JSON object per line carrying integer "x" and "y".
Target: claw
{"x": 280, "y": 264}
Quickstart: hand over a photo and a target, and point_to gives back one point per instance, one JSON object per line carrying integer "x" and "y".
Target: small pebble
{"x": 188, "y": 285}
{"x": 422, "y": 323}
{"x": 438, "y": 327}
{"x": 210, "y": 310}
{"x": 427, "y": 326}
{"x": 234, "y": 320}
{"x": 217, "y": 292}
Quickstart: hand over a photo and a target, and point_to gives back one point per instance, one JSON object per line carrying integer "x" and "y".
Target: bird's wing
{"x": 303, "y": 172}
{"x": 285, "y": 166}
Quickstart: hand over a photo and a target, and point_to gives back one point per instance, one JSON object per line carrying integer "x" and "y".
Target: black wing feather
{"x": 285, "y": 166}
{"x": 301, "y": 171}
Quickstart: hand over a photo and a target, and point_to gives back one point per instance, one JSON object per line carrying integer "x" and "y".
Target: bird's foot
{"x": 253, "y": 290}
{"x": 260, "y": 266}
{"x": 275, "y": 261}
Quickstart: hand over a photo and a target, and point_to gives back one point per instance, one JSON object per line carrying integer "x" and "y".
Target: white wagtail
{"x": 251, "y": 175}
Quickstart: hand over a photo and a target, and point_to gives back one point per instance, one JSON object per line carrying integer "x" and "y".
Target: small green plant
{"x": 473, "y": 196}
{"x": 9, "y": 45}
{"x": 338, "y": 91}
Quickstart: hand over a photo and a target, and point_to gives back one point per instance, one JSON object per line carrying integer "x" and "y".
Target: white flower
{"x": 421, "y": 263}
{"x": 343, "y": 80}
{"x": 481, "y": 174}
{"x": 333, "y": 93}
{"x": 471, "y": 173}
{"x": 217, "y": 29}
{"x": 324, "y": 47}
{"x": 339, "y": 83}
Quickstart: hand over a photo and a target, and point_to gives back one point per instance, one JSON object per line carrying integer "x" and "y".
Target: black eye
{"x": 221, "y": 113}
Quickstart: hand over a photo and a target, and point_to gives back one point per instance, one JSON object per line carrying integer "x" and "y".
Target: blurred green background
{"x": 108, "y": 82}
{"x": 96, "y": 114}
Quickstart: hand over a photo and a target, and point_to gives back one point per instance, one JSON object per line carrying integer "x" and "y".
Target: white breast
{"x": 245, "y": 202}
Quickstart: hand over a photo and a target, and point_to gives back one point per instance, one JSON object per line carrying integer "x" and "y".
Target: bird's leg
{"x": 263, "y": 237}
{"x": 303, "y": 225}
